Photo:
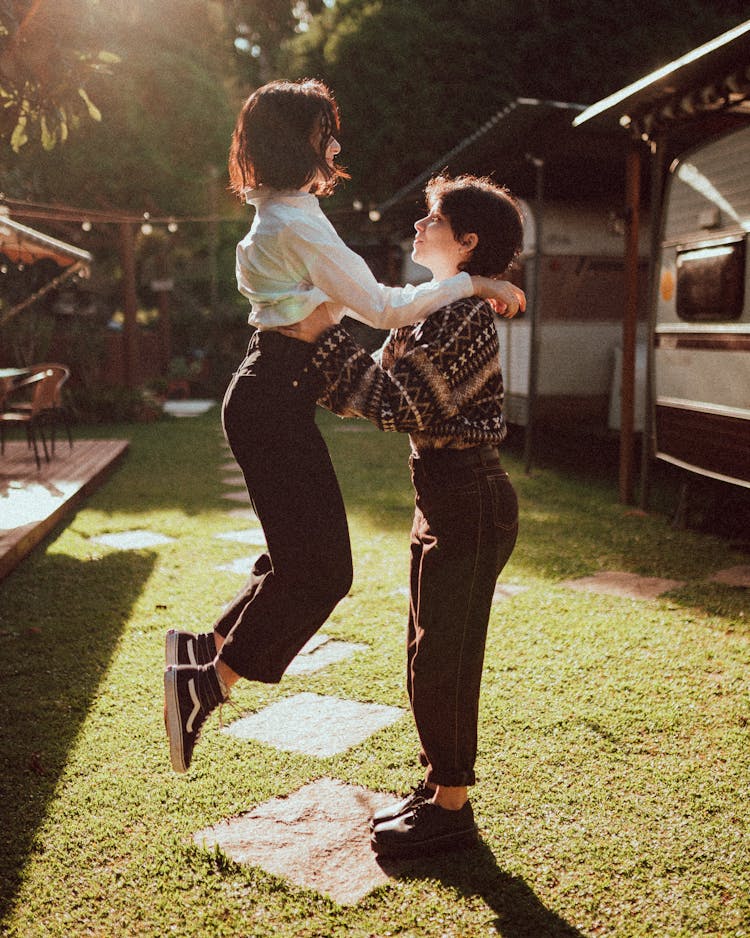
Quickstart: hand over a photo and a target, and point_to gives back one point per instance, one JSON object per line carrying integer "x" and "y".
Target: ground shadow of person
{"x": 520, "y": 913}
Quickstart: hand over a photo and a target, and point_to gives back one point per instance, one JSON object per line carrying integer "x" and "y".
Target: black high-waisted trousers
{"x": 269, "y": 421}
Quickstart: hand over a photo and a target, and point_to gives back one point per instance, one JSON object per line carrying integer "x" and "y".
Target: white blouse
{"x": 292, "y": 260}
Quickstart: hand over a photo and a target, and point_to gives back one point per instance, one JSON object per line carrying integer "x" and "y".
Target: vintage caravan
{"x": 701, "y": 357}
{"x": 579, "y": 309}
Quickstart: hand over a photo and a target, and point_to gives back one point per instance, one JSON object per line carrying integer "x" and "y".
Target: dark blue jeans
{"x": 464, "y": 530}
{"x": 269, "y": 422}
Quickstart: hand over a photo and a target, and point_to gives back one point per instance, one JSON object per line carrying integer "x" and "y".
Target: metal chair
{"x": 44, "y": 407}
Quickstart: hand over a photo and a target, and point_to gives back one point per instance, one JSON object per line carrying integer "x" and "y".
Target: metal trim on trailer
{"x": 687, "y": 433}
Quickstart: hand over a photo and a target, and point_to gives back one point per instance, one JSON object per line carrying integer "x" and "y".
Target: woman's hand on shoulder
{"x": 311, "y": 328}
{"x": 505, "y": 298}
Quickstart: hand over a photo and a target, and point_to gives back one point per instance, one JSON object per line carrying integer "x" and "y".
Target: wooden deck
{"x": 33, "y": 501}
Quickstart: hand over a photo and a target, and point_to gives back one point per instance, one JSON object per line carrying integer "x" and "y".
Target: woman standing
{"x": 440, "y": 381}
{"x": 290, "y": 263}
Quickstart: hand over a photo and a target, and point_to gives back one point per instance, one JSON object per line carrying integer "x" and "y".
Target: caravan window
{"x": 710, "y": 282}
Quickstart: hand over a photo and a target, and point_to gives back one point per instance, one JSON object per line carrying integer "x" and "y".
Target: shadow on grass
{"x": 520, "y": 912}
{"x": 52, "y": 661}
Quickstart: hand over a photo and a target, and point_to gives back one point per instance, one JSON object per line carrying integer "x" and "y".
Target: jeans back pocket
{"x": 504, "y": 501}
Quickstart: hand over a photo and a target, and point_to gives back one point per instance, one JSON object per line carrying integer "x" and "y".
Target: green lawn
{"x": 614, "y": 750}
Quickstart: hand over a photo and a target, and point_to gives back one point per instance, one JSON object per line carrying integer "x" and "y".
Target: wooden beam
{"x": 130, "y": 304}
{"x": 630, "y": 321}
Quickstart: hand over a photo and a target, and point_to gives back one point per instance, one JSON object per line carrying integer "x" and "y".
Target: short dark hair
{"x": 478, "y": 204}
{"x": 272, "y": 143}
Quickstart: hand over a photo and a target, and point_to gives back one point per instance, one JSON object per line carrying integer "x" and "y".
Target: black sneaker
{"x": 190, "y": 694}
{"x": 425, "y": 829}
{"x": 187, "y": 648}
{"x": 419, "y": 793}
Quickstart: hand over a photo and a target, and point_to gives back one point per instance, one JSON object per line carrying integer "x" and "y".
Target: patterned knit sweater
{"x": 439, "y": 380}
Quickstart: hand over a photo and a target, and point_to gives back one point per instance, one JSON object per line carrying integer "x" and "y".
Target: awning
{"x": 712, "y": 79}
{"x": 23, "y": 245}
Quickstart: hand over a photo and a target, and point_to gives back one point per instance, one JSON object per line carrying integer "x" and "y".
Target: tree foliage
{"x": 51, "y": 52}
{"x": 413, "y": 79}
{"x": 260, "y": 28}
{"x": 166, "y": 116}
{"x": 167, "y": 112}
{"x": 48, "y": 59}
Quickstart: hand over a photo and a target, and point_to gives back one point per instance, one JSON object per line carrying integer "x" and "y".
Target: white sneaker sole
{"x": 173, "y": 722}
{"x": 171, "y": 650}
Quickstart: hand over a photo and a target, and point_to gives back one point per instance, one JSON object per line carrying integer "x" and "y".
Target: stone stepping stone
{"x": 242, "y": 566}
{"x": 133, "y": 540}
{"x": 315, "y": 725}
{"x": 507, "y": 591}
{"x": 320, "y": 638}
{"x": 253, "y": 536}
{"x": 626, "y": 585}
{"x": 246, "y": 514}
{"x": 235, "y": 478}
{"x": 316, "y": 660}
{"x": 316, "y": 838}
{"x": 230, "y": 466}
{"x": 239, "y": 496}
{"x": 187, "y": 408}
{"x": 733, "y": 576}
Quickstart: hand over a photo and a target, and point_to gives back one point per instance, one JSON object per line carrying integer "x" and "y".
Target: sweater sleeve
{"x": 427, "y": 382}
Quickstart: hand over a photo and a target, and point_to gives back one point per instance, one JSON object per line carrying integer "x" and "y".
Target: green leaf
{"x": 19, "y": 136}
{"x": 94, "y": 112}
{"x": 49, "y": 137}
{"x": 109, "y": 58}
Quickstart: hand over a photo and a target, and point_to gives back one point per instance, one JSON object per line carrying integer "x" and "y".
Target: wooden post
{"x": 658, "y": 158}
{"x": 630, "y": 321}
{"x": 534, "y": 317}
{"x": 162, "y": 287}
{"x": 130, "y": 305}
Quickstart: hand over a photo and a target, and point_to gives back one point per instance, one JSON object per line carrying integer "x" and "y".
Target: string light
{"x": 88, "y": 218}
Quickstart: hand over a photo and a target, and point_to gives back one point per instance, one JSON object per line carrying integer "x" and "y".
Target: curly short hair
{"x": 479, "y": 205}
{"x": 275, "y": 141}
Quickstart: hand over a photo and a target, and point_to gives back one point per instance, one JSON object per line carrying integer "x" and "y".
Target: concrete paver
{"x": 314, "y": 725}
{"x": 239, "y": 496}
{"x": 187, "y": 408}
{"x": 626, "y": 585}
{"x": 507, "y": 591}
{"x": 133, "y": 540}
{"x": 241, "y": 566}
{"x": 320, "y": 658}
{"x": 733, "y": 576}
{"x": 253, "y": 536}
{"x": 233, "y": 478}
{"x": 317, "y": 838}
